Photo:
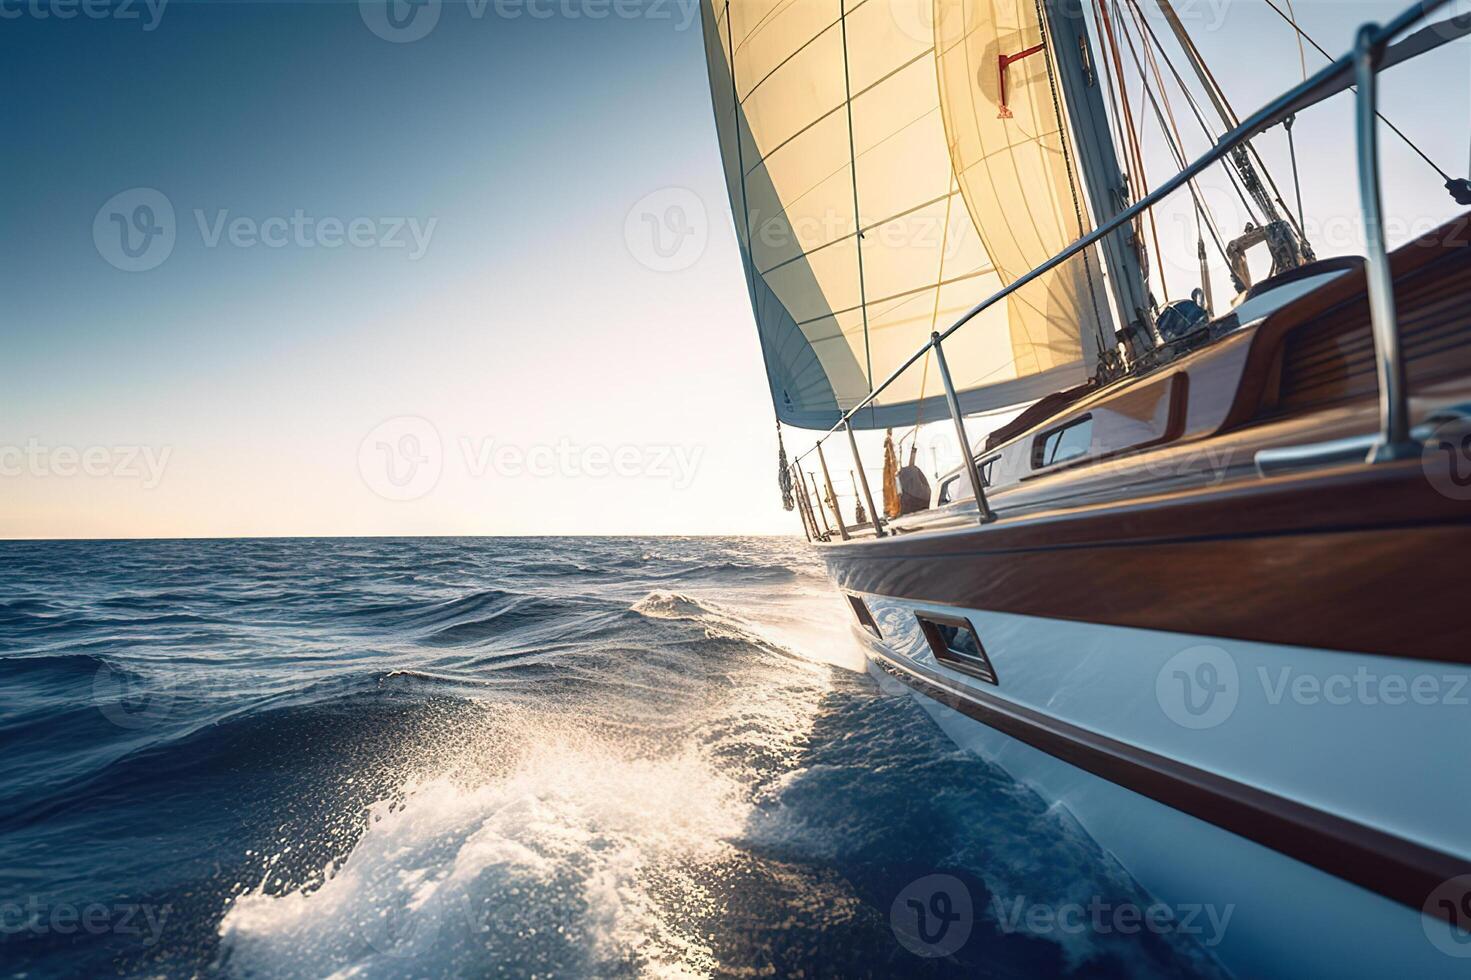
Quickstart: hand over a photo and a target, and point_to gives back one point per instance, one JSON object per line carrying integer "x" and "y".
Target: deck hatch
{"x": 956, "y": 644}
{"x": 862, "y": 614}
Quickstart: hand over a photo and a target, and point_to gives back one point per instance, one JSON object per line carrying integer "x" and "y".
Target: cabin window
{"x": 952, "y": 488}
{"x": 864, "y": 617}
{"x": 1060, "y": 445}
{"x": 956, "y": 644}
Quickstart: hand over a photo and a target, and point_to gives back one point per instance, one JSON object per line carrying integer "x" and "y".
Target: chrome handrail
{"x": 1364, "y": 61}
{"x": 983, "y": 510}
{"x": 832, "y": 494}
{"x": 874, "y": 515}
{"x": 1394, "y": 408}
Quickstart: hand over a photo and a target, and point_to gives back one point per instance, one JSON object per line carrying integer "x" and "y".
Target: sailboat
{"x": 1203, "y": 590}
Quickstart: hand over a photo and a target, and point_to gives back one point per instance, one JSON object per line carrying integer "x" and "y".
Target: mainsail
{"x": 881, "y": 186}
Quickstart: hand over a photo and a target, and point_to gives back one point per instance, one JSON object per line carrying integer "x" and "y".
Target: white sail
{"x": 877, "y": 196}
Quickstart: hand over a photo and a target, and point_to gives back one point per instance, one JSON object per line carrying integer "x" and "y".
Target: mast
{"x": 1097, "y": 159}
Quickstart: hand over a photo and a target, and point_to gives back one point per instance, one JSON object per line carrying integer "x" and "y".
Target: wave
{"x": 153, "y": 600}
{"x": 576, "y": 856}
{"x": 60, "y": 665}
{"x": 179, "y": 735}
{"x": 604, "y": 757}
{"x": 28, "y": 605}
{"x": 498, "y": 619}
{"x": 420, "y": 611}
{"x": 673, "y": 605}
{"x": 718, "y": 621}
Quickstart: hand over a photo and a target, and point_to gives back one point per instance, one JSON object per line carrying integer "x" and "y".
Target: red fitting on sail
{"x": 1007, "y": 60}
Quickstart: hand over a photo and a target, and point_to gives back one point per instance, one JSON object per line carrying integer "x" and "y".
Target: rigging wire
{"x": 857, "y": 214}
{"x": 1176, "y": 145}
{"x": 924, "y": 377}
{"x": 1136, "y": 135}
{"x": 1248, "y": 152}
{"x": 1302, "y": 54}
{"x": 1199, "y": 113}
{"x": 1144, "y": 93}
{"x": 1125, "y": 121}
{"x": 1067, "y": 162}
{"x": 1101, "y": 18}
{"x": 924, "y": 380}
{"x": 1305, "y": 36}
{"x": 1118, "y": 95}
{"x": 1290, "y": 121}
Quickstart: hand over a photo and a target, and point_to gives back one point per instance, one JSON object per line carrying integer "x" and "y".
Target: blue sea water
{"x": 584, "y": 757}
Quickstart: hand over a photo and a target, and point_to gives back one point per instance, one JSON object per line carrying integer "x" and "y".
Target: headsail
{"x": 877, "y": 196}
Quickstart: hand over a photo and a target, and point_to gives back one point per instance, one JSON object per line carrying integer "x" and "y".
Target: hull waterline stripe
{"x": 1385, "y": 864}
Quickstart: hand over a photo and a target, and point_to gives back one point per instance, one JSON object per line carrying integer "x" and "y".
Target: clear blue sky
{"x": 404, "y": 294}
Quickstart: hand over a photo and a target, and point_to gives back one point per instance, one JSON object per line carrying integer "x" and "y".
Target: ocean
{"x": 455, "y": 757}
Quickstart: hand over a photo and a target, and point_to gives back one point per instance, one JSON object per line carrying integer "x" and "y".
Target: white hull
{"x": 1353, "y": 752}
